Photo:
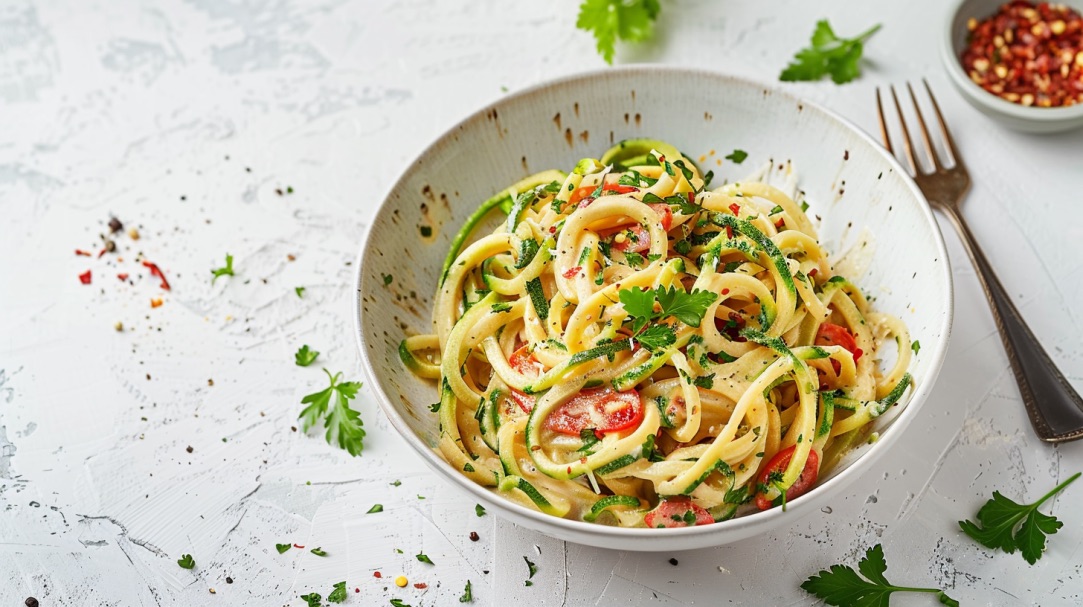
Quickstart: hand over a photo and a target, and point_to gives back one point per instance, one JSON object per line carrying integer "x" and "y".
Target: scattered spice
{"x": 421, "y": 585}
{"x": 122, "y": 276}
{"x": 30, "y": 602}
{"x": 298, "y": 547}
{"x": 212, "y": 591}
{"x": 673, "y": 562}
{"x": 291, "y": 257}
{"x": 133, "y": 233}
{"x": 156, "y": 272}
{"x": 229, "y": 580}
{"x": 189, "y": 449}
{"x": 115, "y": 225}
{"x": 474, "y": 536}
{"x": 85, "y": 277}
{"x": 110, "y": 245}
{"x": 82, "y": 253}
{"x": 210, "y": 382}
{"x": 1028, "y": 54}
{"x": 154, "y": 303}
{"x": 119, "y": 326}
{"x": 377, "y": 574}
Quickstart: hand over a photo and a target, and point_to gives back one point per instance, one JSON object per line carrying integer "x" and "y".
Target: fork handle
{"x": 1054, "y": 407}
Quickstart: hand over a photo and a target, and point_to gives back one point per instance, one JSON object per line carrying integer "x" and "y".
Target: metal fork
{"x": 1054, "y": 407}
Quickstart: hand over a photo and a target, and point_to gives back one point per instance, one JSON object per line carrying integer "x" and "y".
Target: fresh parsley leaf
{"x": 468, "y": 594}
{"x": 589, "y": 439}
{"x": 639, "y": 304}
{"x": 657, "y": 337}
{"x": 916, "y": 346}
{"x": 843, "y": 586}
{"x": 687, "y": 172}
{"x": 318, "y": 551}
{"x": 375, "y": 509}
{"x": 343, "y": 423}
{"x": 608, "y": 20}
{"x": 300, "y": 291}
{"x": 683, "y": 204}
{"x": 688, "y": 308}
{"x": 737, "y": 156}
{"x": 479, "y": 509}
{"x": 283, "y": 547}
{"x": 501, "y": 306}
{"x": 531, "y": 567}
{"x": 1000, "y": 516}
{"x": 634, "y": 259}
{"x": 226, "y": 270}
{"x": 186, "y": 561}
{"x": 828, "y": 55}
{"x": 313, "y": 599}
{"x": 304, "y": 357}
{"x": 338, "y": 595}
{"x": 398, "y": 603}
{"x": 424, "y": 558}
{"x": 704, "y": 381}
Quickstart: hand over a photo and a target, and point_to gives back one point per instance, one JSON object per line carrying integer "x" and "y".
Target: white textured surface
{"x": 125, "y": 108}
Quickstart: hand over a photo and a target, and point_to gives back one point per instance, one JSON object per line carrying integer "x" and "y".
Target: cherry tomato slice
{"x": 836, "y": 335}
{"x": 524, "y": 362}
{"x": 778, "y": 464}
{"x": 665, "y": 213}
{"x": 603, "y": 409}
{"x": 636, "y": 239}
{"x": 582, "y": 196}
{"x": 677, "y": 512}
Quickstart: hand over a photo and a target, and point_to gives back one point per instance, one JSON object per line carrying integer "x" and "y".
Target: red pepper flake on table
{"x": 157, "y": 272}
{"x": 1028, "y": 54}
{"x": 85, "y": 277}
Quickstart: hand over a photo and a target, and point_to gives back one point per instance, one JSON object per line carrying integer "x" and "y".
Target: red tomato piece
{"x": 735, "y": 208}
{"x": 603, "y": 409}
{"x": 665, "y": 213}
{"x": 778, "y": 465}
{"x": 836, "y": 335}
{"x": 582, "y": 196}
{"x": 676, "y": 512}
{"x": 637, "y": 239}
{"x": 524, "y": 362}
{"x": 618, "y": 188}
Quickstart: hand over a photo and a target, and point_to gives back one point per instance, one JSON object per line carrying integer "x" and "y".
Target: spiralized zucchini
{"x": 630, "y": 347}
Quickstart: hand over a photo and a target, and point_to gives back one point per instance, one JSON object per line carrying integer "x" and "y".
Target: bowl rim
{"x": 949, "y": 55}
{"x": 715, "y": 533}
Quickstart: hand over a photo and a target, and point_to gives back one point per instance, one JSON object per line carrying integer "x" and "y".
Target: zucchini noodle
{"x": 629, "y": 347}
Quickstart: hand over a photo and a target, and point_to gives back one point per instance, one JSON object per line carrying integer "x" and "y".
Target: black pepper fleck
{"x": 229, "y": 580}
{"x": 114, "y": 226}
{"x": 474, "y": 536}
{"x": 31, "y": 602}
{"x": 189, "y": 449}
{"x": 673, "y": 562}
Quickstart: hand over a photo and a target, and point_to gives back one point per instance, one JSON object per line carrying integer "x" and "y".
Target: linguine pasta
{"x": 633, "y": 348}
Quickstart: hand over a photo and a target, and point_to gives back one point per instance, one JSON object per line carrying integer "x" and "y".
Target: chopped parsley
{"x": 186, "y": 561}
{"x": 916, "y": 346}
{"x": 304, "y": 357}
{"x": 338, "y": 595}
{"x": 300, "y": 291}
{"x": 387, "y": 279}
{"x": 318, "y": 551}
{"x": 312, "y": 599}
{"x": 424, "y": 558}
{"x": 468, "y": 594}
{"x": 375, "y": 508}
{"x": 737, "y": 156}
{"x": 479, "y": 509}
{"x": 283, "y": 547}
{"x": 226, "y": 270}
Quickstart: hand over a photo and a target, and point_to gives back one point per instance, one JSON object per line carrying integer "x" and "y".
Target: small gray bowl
{"x": 1012, "y": 115}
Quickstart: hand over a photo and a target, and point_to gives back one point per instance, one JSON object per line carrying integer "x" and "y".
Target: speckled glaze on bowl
{"x": 851, "y": 182}
{"x": 1012, "y": 115}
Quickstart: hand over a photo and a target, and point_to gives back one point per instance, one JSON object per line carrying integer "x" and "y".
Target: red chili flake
{"x": 122, "y": 276}
{"x": 154, "y": 303}
{"x": 691, "y": 198}
{"x": 85, "y": 277}
{"x": 377, "y": 574}
{"x": 552, "y": 229}
{"x": 82, "y": 252}
{"x": 298, "y": 547}
{"x": 857, "y": 354}
{"x": 358, "y": 590}
{"x": 156, "y": 271}
{"x": 100, "y": 253}
{"x": 725, "y": 291}
{"x": 812, "y": 272}
{"x": 780, "y": 223}
{"x": 571, "y": 272}
{"x": 736, "y": 208}
{"x": 421, "y": 585}
{"x": 729, "y": 232}
{"x": 1028, "y": 54}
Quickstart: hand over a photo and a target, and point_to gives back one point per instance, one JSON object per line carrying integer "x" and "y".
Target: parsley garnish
{"x": 300, "y": 291}
{"x": 657, "y": 337}
{"x": 398, "y": 603}
{"x": 629, "y": 20}
{"x": 532, "y": 568}
{"x": 387, "y": 279}
{"x": 304, "y": 357}
{"x": 343, "y": 423}
{"x": 186, "y": 561}
{"x": 312, "y": 599}
{"x": 843, "y": 586}
{"x": 338, "y": 595}
{"x": 634, "y": 259}
{"x": 424, "y": 558}
{"x": 468, "y": 594}
{"x": 479, "y": 509}
{"x": 916, "y": 346}
{"x": 589, "y": 439}
{"x": 283, "y": 547}
{"x": 501, "y": 306}
{"x": 688, "y": 308}
{"x": 1000, "y": 516}
{"x": 829, "y": 54}
{"x": 396, "y": 483}
{"x": 704, "y": 381}
{"x": 737, "y": 156}
{"x": 227, "y": 270}
{"x": 375, "y": 508}
{"x": 318, "y": 551}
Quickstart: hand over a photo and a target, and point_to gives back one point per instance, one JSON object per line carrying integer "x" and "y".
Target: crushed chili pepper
{"x": 156, "y": 271}
{"x": 85, "y": 277}
{"x": 154, "y": 303}
{"x": 115, "y": 225}
{"x": 421, "y": 585}
{"x": 377, "y": 574}
{"x": 298, "y": 547}
{"x": 82, "y": 253}
{"x": 122, "y": 276}
{"x": 1030, "y": 54}
{"x": 736, "y": 208}
{"x": 571, "y": 272}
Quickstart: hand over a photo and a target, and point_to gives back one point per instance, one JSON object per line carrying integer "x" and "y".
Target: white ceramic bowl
{"x": 1013, "y": 115}
{"x": 849, "y": 179}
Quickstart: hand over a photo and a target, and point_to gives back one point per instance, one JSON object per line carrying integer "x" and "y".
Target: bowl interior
{"x": 854, "y": 188}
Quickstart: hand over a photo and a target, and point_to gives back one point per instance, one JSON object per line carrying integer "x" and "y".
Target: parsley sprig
{"x": 608, "y": 20}
{"x": 304, "y": 357}
{"x": 333, "y": 405}
{"x": 1000, "y": 517}
{"x": 688, "y": 308}
{"x": 843, "y": 586}
{"x": 828, "y": 55}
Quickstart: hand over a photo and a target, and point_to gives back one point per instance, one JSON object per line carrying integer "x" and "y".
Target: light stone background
{"x": 183, "y": 117}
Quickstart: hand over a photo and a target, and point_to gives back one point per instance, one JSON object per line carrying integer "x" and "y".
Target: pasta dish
{"x": 630, "y": 347}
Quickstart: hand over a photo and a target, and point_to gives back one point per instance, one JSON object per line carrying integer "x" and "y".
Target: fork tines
{"x": 934, "y": 159}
